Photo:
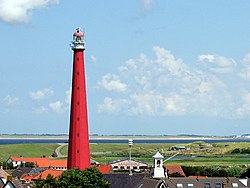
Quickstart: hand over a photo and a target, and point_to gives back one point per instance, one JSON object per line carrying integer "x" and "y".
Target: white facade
{"x": 159, "y": 171}
{"x": 124, "y": 165}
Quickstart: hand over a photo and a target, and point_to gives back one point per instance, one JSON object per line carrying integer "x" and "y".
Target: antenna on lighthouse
{"x": 78, "y": 40}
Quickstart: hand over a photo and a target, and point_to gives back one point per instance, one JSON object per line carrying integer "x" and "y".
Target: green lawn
{"x": 26, "y": 150}
{"x": 206, "y": 154}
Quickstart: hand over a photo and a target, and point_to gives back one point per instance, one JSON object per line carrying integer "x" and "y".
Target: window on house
{"x": 218, "y": 185}
{"x": 179, "y": 185}
{"x": 207, "y": 185}
{"x": 190, "y": 185}
{"x": 235, "y": 184}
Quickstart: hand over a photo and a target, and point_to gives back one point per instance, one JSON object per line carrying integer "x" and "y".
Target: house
{"x": 52, "y": 172}
{"x": 172, "y": 169}
{"x": 39, "y": 162}
{"x": 146, "y": 181}
{"x": 12, "y": 183}
{"x": 3, "y": 175}
{"x": 1, "y": 183}
{"x": 125, "y": 165}
{"x": 159, "y": 178}
{"x": 179, "y": 148}
{"x": 105, "y": 169}
{"x": 217, "y": 182}
{"x": 152, "y": 183}
{"x": 9, "y": 184}
{"x": 124, "y": 180}
{"x": 21, "y": 172}
{"x": 43, "y": 162}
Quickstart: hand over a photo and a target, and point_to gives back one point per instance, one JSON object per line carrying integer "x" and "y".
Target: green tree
{"x": 49, "y": 182}
{"x": 234, "y": 172}
{"x": 88, "y": 178}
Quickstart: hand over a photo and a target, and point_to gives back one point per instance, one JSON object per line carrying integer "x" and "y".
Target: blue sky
{"x": 152, "y": 66}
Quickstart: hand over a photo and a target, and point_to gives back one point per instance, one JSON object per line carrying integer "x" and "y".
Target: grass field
{"x": 26, "y": 150}
{"x": 198, "y": 153}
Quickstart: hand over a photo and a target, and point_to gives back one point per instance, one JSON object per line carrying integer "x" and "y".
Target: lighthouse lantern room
{"x": 78, "y": 40}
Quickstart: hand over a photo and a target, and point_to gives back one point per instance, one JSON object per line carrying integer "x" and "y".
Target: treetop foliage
{"x": 74, "y": 178}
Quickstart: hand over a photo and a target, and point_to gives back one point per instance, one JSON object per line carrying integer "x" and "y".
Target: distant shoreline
{"x": 54, "y": 137}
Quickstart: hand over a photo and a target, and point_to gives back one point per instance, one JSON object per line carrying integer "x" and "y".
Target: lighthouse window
{"x": 78, "y": 118}
{"x": 78, "y": 134}
{"x": 77, "y": 151}
{"x": 77, "y": 59}
{"x": 77, "y": 73}
{"x": 78, "y": 88}
{"x": 78, "y": 103}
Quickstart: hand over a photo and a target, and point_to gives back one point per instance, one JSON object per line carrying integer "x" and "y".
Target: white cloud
{"x": 19, "y": 11}
{"x": 210, "y": 58}
{"x": 8, "y": 100}
{"x": 147, "y": 4}
{"x": 217, "y": 64}
{"x": 61, "y": 106}
{"x": 167, "y": 60}
{"x": 112, "y": 82}
{"x": 244, "y": 109}
{"x": 110, "y": 105}
{"x": 41, "y": 94}
{"x": 57, "y": 106}
{"x": 164, "y": 86}
{"x": 93, "y": 59}
{"x": 245, "y": 71}
{"x": 41, "y": 110}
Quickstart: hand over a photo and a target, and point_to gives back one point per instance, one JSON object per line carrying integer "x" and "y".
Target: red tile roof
{"x": 104, "y": 169}
{"x": 44, "y": 174}
{"x": 42, "y": 162}
{"x": 175, "y": 169}
{"x": 59, "y": 163}
{"x": 29, "y": 177}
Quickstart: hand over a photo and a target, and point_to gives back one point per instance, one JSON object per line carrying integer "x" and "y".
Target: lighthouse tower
{"x": 78, "y": 152}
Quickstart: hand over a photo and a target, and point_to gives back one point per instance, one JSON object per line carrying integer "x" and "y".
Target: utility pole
{"x": 130, "y": 143}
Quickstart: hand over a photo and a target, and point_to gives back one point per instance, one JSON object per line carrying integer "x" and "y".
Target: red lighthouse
{"x": 78, "y": 152}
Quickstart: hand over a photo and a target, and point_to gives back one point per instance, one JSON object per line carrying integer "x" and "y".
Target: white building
{"x": 124, "y": 165}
